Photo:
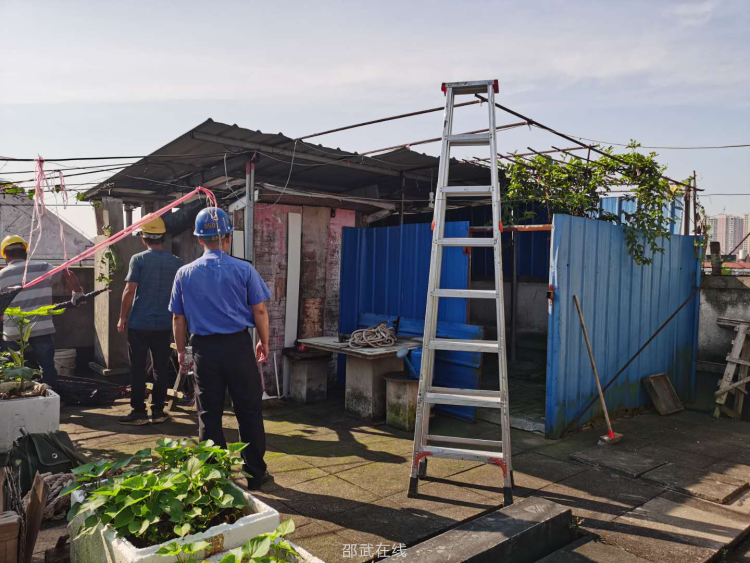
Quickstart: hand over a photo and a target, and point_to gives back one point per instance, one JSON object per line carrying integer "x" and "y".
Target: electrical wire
{"x": 66, "y": 169}
{"x": 668, "y": 148}
{"x": 79, "y": 173}
{"x": 58, "y": 160}
{"x": 289, "y": 177}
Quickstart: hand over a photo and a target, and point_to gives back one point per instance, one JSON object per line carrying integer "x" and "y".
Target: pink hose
{"x": 125, "y": 232}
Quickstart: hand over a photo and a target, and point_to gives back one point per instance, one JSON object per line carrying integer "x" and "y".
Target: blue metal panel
{"x": 623, "y": 305}
{"x": 618, "y": 206}
{"x": 384, "y": 271}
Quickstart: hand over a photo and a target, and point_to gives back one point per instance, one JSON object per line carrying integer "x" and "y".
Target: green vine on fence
{"x": 575, "y": 186}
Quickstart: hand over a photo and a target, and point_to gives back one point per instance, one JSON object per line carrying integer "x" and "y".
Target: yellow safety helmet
{"x": 11, "y": 240}
{"x": 154, "y": 228}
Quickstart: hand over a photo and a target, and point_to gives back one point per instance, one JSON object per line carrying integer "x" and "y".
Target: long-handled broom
{"x": 612, "y": 437}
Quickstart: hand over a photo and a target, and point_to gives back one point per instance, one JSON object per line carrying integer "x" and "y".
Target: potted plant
{"x": 23, "y": 403}
{"x": 130, "y": 510}
{"x": 15, "y": 375}
{"x": 266, "y": 548}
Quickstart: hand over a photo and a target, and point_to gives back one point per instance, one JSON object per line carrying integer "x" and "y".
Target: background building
{"x": 729, "y": 230}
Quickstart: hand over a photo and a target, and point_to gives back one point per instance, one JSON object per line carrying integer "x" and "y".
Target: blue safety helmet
{"x": 212, "y": 222}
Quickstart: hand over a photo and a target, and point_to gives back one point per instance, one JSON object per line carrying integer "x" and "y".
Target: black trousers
{"x": 228, "y": 361}
{"x": 140, "y": 342}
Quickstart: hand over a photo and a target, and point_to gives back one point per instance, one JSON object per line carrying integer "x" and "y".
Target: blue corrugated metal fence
{"x": 384, "y": 274}
{"x": 533, "y": 248}
{"x": 623, "y": 305}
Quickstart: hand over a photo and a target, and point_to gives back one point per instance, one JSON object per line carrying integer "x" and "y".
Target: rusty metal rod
{"x": 382, "y": 120}
{"x": 572, "y": 140}
{"x": 567, "y": 151}
{"x": 513, "y": 229}
{"x": 436, "y": 139}
{"x": 630, "y": 361}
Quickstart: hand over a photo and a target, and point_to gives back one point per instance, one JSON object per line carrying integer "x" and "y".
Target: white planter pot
{"x": 33, "y": 414}
{"x": 103, "y": 546}
{"x": 304, "y": 556}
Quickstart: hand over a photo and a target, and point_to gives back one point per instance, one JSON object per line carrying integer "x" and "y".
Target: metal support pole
{"x": 686, "y": 213}
{"x": 250, "y": 211}
{"x": 696, "y": 218}
{"x": 514, "y": 300}
{"x": 401, "y": 245}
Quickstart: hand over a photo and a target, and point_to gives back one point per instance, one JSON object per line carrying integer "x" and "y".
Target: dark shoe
{"x": 256, "y": 484}
{"x": 157, "y": 417}
{"x": 135, "y": 418}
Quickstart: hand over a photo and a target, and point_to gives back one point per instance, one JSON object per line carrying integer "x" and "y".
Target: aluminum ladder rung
{"x": 467, "y": 441}
{"x": 488, "y": 346}
{"x": 469, "y": 140}
{"x": 477, "y": 392}
{"x": 472, "y": 191}
{"x": 466, "y": 293}
{"x": 470, "y": 87}
{"x": 478, "y": 241}
{"x": 490, "y": 400}
{"x": 459, "y": 453}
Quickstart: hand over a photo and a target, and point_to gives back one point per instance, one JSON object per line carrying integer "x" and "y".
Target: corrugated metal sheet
{"x": 385, "y": 270}
{"x": 187, "y": 162}
{"x": 533, "y": 248}
{"x": 532, "y": 256}
{"x": 623, "y": 305}
{"x": 618, "y": 206}
{"x": 384, "y": 274}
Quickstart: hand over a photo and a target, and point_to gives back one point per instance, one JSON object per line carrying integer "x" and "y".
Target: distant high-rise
{"x": 729, "y": 231}
{"x": 746, "y": 225}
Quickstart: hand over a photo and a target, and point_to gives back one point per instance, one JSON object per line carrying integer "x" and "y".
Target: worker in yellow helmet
{"x": 14, "y": 250}
{"x": 145, "y": 316}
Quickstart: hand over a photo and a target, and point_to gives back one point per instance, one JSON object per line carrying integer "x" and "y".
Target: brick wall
{"x": 319, "y": 277}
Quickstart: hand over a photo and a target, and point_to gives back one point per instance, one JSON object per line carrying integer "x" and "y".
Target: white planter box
{"x": 33, "y": 414}
{"x": 103, "y": 546}
{"x": 304, "y": 556}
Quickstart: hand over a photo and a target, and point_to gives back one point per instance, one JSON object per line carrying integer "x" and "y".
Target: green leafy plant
{"x": 109, "y": 261}
{"x": 151, "y": 500}
{"x": 575, "y": 186}
{"x": 269, "y": 548}
{"x": 13, "y": 361}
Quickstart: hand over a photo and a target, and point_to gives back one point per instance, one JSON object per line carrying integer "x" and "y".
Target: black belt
{"x": 219, "y": 335}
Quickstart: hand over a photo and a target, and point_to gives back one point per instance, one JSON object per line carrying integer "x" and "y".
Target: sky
{"x": 91, "y": 78}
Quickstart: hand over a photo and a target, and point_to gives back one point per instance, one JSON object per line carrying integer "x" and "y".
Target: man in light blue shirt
{"x": 145, "y": 316}
{"x": 218, "y": 298}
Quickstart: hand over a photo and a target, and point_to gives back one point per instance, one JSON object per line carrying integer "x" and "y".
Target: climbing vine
{"x": 109, "y": 260}
{"x": 575, "y": 185}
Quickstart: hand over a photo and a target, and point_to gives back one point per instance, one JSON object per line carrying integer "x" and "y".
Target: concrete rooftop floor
{"x": 343, "y": 481}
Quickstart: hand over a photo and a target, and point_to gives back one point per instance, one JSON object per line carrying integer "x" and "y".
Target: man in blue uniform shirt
{"x": 217, "y": 299}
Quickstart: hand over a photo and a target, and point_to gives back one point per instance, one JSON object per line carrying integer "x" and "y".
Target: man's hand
{"x": 261, "y": 352}
{"x": 122, "y": 325}
{"x": 182, "y": 360}
{"x": 77, "y": 295}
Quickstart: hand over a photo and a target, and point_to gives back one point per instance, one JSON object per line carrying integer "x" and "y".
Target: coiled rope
{"x": 378, "y": 336}
{"x": 56, "y": 507}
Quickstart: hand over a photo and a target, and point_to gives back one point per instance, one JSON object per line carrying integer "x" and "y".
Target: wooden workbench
{"x": 365, "y": 371}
